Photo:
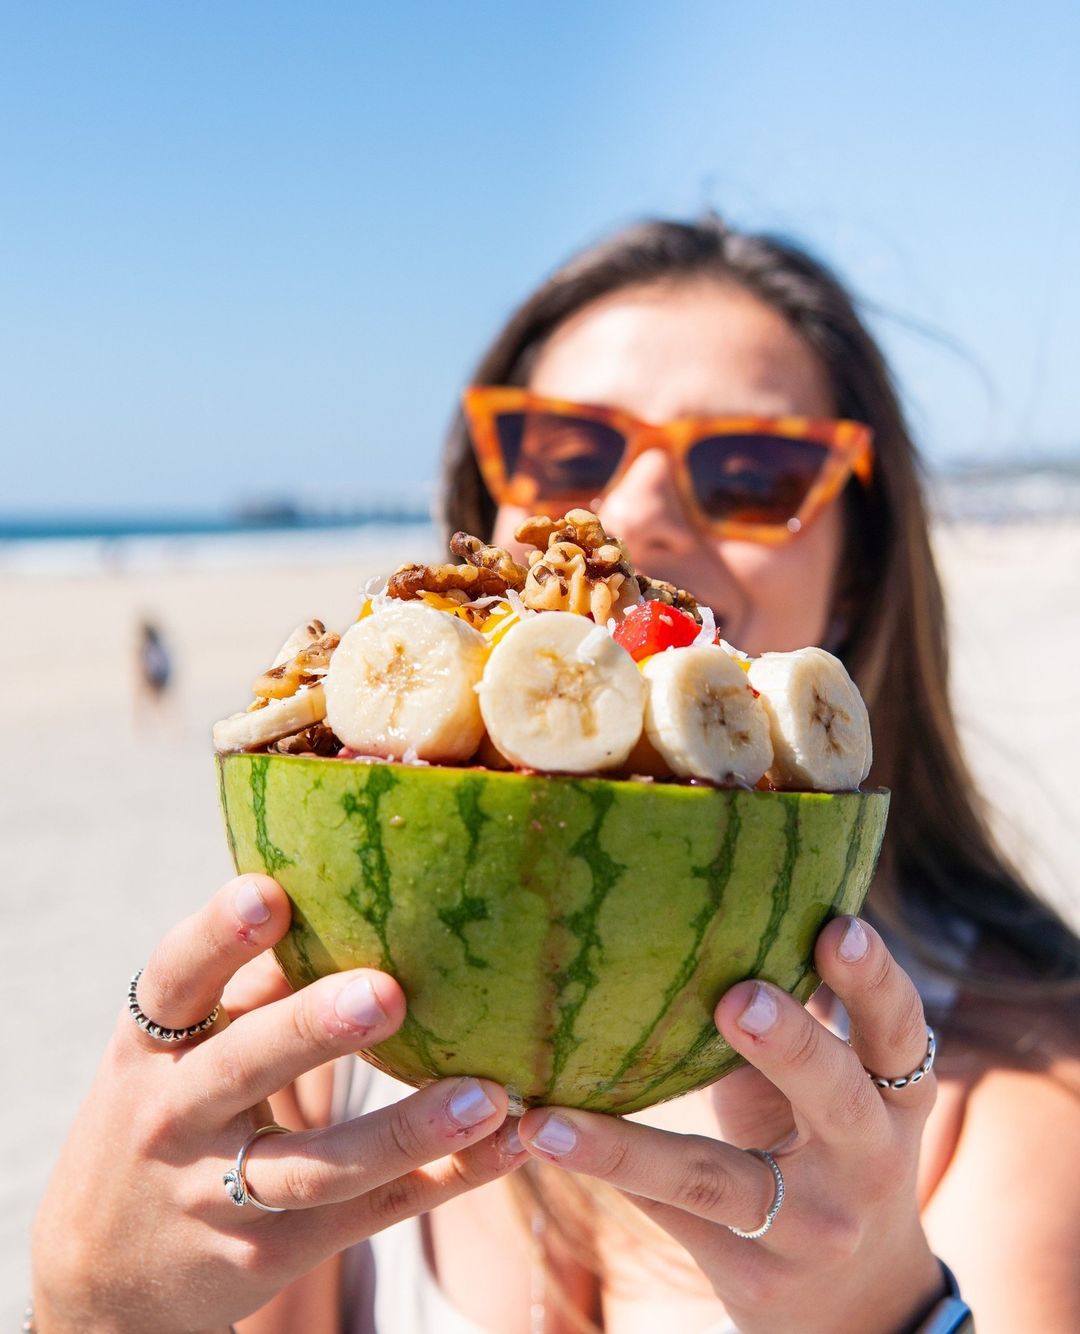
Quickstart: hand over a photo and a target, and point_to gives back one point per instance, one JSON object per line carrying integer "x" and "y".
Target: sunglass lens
{"x": 556, "y": 458}
{"x": 754, "y": 479}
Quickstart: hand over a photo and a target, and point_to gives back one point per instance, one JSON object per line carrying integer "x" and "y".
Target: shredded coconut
{"x": 734, "y": 652}
{"x": 411, "y": 757}
{"x": 592, "y": 643}
{"x": 707, "y": 633}
{"x": 514, "y": 598}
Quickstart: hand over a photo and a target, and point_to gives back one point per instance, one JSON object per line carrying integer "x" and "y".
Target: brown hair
{"x": 941, "y": 872}
{"x": 942, "y": 883}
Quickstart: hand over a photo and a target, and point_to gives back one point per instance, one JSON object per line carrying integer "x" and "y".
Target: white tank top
{"x": 387, "y": 1283}
{"x": 387, "y": 1286}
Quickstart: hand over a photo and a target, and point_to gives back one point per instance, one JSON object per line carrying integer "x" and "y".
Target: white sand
{"x": 110, "y": 834}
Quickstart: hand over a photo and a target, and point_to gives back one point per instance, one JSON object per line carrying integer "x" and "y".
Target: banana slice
{"x": 702, "y": 718}
{"x": 559, "y": 695}
{"x": 278, "y": 718}
{"x": 403, "y": 681}
{"x": 300, "y": 638}
{"x": 819, "y": 724}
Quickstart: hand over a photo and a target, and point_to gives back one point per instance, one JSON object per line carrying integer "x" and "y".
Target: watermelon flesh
{"x": 568, "y": 937}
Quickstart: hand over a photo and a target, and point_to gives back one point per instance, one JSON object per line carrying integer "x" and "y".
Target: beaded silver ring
{"x": 158, "y": 1031}
{"x": 923, "y": 1070}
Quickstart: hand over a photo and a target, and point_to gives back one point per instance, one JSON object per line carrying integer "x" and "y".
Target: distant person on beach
{"x": 800, "y": 1195}
{"x": 153, "y": 671}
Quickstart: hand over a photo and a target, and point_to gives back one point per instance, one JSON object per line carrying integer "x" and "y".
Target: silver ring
{"x": 778, "y": 1198}
{"x": 916, "y": 1075}
{"x": 236, "y": 1186}
{"x": 159, "y": 1031}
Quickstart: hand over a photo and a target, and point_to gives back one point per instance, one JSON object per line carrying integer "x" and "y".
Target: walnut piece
{"x": 488, "y": 571}
{"x": 656, "y": 590}
{"x": 535, "y": 532}
{"x": 317, "y": 739}
{"x": 577, "y": 566}
{"x": 585, "y": 529}
{"x": 411, "y": 580}
{"x": 496, "y": 559}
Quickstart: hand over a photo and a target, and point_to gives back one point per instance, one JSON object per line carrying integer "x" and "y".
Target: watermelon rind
{"x": 568, "y": 937}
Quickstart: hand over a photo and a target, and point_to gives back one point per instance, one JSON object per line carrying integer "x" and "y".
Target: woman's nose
{"x": 645, "y": 509}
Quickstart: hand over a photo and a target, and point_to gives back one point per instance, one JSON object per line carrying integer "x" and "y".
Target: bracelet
{"x": 949, "y": 1314}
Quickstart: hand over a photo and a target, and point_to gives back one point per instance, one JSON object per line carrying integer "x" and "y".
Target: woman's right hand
{"x": 136, "y": 1230}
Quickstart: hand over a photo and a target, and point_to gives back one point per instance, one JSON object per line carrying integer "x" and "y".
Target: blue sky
{"x": 253, "y": 249}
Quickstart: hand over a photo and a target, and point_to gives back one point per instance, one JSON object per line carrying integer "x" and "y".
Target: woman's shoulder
{"x": 1008, "y": 1197}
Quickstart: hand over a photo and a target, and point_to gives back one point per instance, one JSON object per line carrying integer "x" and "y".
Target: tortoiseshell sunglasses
{"x": 762, "y": 479}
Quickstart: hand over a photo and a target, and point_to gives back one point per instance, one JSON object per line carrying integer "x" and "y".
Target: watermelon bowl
{"x": 567, "y": 937}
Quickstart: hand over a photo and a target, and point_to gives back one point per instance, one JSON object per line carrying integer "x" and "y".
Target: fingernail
{"x": 249, "y": 904}
{"x": 853, "y": 942}
{"x": 358, "y": 1005}
{"x": 468, "y": 1105}
{"x": 761, "y": 1012}
{"x": 511, "y": 1138}
{"x": 556, "y": 1137}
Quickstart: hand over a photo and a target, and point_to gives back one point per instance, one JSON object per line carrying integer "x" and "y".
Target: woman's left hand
{"x": 847, "y": 1251}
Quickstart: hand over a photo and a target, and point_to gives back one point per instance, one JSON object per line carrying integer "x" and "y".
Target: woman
{"x": 662, "y": 322}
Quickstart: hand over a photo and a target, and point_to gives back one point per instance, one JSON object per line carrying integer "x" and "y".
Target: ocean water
{"x": 215, "y": 548}
{"x": 1006, "y": 494}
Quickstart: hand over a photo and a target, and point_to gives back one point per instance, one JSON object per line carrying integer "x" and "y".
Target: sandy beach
{"x": 111, "y": 830}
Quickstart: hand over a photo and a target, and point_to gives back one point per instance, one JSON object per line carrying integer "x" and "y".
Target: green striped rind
{"x": 567, "y": 937}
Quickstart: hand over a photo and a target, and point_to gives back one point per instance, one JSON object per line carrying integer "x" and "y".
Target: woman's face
{"x": 701, "y": 349}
